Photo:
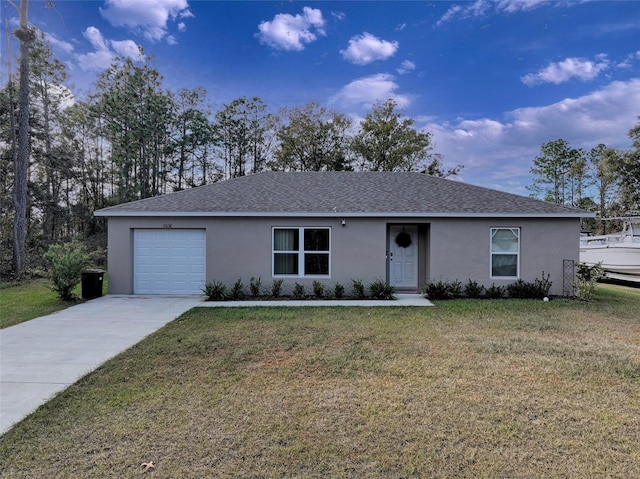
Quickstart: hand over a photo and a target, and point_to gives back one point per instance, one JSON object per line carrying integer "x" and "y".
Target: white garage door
{"x": 168, "y": 261}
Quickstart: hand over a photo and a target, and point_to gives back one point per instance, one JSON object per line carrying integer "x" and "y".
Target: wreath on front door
{"x": 403, "y": 240}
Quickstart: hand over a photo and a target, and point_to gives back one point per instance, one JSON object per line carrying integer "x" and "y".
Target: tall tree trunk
{"x": 21, "y": 166}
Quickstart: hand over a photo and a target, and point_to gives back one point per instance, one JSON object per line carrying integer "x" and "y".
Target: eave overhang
{"x": 332, "y": 214}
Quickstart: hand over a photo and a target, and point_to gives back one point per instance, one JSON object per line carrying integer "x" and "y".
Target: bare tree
{"x": 21, "y": 165}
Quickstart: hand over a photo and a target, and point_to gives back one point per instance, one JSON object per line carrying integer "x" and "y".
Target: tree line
{"x": 603, "y": 180}
{"x": 62, "y": 158}
{"x": 132, "y": 139}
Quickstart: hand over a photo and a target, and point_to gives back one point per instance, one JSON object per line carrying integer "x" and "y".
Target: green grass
{"x": 24, "y": 301}
{"x": 478, "y": 389}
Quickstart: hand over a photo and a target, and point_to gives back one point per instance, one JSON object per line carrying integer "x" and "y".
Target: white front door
{"x": 403, "y": 256}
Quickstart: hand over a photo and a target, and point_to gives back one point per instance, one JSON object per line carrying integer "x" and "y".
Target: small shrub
{"x": 358, "y": 289}
{"x": 338, "y": 291}
{"x": 215, "y": 291}
{"x": 587, "y": 280}
{"x": 237, "y": 292}
{"x": 589, "y": 273}
{"x": 298, "y": 291}
{"x": 318, "y": 289}
{"x": 66, "y": 262}
{"x": 381, "y": 290}
{"x": 442, "y": 289}
{"x": 524, "y": 290}
{"x": 542, "y": 286}
{"x": 455, "y": 287}
{"x": 586, "y": 290}
{"x": 276, "y": 288}
{"x": 473, "y": 290}
{"x": 255, "y": 286}
{"x": 519, "y": 289}
{"x": 495, "y": 292}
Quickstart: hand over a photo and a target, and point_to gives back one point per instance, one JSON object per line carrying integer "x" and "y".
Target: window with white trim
{"x": 301, "y": 251}
{"x": 505, "y": 252}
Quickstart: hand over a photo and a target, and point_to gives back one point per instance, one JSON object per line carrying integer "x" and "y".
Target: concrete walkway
{"x": 402, "y": 300}
{"x": 41, "y": 357}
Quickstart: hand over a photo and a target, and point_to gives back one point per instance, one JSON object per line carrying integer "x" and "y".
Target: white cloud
{"x": 406, "y": 67}
{"x": 99, "y": 59}
{"x": 95, "y": 38}
{"x": 481, "y": 8}
{"x": 506, "y": 148}
{"x": 59, "y": 44}
{"x": 291, "y": 32}
{"x": 366, "y": 91}
{"x": 367, "y": 48}
{"x": 629, "y": 60}
{"x": 450, "y": 14}
{"x": 511, "y": 6}
{"x": 602, "y": 114}
{"x": 126, "y": 48}
{"x": 150, "y": 17}
{"x": 567, "y": 69}
{"x": 105, "y": 51}
{"x": 475, "y": 9}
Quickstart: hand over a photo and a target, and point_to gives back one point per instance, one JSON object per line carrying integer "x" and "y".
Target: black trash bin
{"x": 92, "y": 283}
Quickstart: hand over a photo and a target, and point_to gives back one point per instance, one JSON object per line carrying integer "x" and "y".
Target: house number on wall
{"x": 166, "y": 226}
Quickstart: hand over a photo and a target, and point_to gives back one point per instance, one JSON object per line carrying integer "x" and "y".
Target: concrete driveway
{"x": 44, "y": 356}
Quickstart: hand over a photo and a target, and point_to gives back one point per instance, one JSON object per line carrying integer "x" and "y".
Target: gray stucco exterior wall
{"x": 461, "y": 248}
{"x": 448, "y": 249}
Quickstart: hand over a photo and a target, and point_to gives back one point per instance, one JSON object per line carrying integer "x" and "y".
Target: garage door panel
{"x": 143, "y": 268}
{"x": 169, "y": 261}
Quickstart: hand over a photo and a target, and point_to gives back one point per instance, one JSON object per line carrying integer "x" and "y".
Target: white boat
{"x": 619, "y": 253}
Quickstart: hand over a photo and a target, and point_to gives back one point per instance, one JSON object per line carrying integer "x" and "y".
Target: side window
{"x": 301, "y": 251}
{"x": 505, "y": 252}
{"x": 286, "y": 251}
{"x": 316, "y": 252}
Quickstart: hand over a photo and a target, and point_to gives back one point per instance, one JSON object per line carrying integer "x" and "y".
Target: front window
{"x": 301, "y": 251}
{"x": 505, "y": 252}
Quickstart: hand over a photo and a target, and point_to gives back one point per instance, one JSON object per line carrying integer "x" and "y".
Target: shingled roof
{"x": 333, "y": 193}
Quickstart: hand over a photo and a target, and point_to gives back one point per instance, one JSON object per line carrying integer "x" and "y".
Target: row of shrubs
{"x": 520, "y": 289}
{"x": 218, "y": 291}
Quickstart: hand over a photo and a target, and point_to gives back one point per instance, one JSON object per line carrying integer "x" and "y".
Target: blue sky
{"x": 492, "y": 80}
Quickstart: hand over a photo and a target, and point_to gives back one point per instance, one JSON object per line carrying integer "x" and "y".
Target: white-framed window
{"x": 301, "y": 251}
{"x": 505, "y": 252}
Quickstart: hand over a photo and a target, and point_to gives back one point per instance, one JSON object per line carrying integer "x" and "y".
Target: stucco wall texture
{"x": 448, "y": 248}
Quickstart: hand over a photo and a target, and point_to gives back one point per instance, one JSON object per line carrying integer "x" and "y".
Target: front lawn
{"x": 28, "y": 300}
{"x": 478, "y": 389}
